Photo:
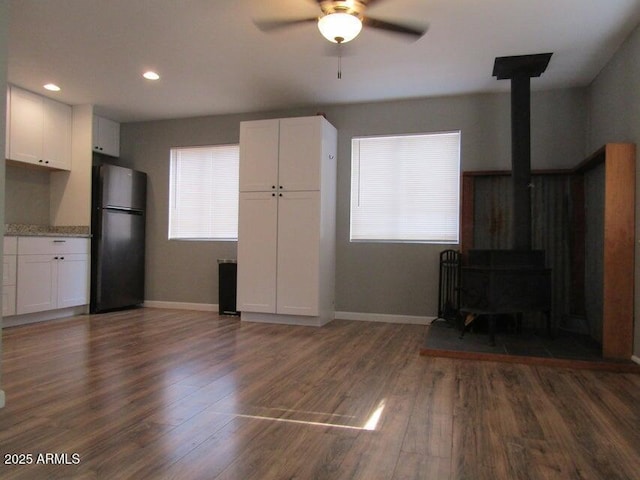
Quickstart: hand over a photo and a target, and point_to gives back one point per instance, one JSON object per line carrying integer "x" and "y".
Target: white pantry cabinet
{"x": 38, "y": 130}
{"x": 106, "y": 136}
{"x": 286, "y": 228}
{"x": 53, "y": 272}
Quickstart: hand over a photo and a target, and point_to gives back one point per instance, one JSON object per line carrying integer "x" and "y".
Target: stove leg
{"x": 466, "y": 324}
{"x": 492, "y": 330}
{"x": 547, "y": 314}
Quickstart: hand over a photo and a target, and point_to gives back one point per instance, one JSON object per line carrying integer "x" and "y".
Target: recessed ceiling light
{"x": 151, "y": 75}
{"x": 52, "y": 87}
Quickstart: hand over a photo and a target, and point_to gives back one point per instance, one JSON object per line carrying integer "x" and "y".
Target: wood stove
{"x": 512, "y": 281}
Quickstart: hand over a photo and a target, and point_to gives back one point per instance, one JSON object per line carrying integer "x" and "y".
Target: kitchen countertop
{"x": 21, "y": 230}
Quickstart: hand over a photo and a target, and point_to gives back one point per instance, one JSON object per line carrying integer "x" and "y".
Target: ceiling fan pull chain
{"x": 339, "y": 60}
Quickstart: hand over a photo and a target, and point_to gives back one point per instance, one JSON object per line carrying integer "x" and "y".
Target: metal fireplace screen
{"x": 449, "y": 286}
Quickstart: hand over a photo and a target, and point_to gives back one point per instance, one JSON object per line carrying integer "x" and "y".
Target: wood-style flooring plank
{"x": 168, "y": 394}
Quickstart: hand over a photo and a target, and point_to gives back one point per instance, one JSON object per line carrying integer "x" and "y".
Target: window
{"x": 203, "y": 197}
{"x": 405, "y": 188}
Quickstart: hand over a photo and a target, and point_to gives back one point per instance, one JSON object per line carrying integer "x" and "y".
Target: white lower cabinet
{"x": 258, "y": 227}
{"x": 73, "y": 280}
{"x": 298, "y": 254}
{"x": 52, "y": 273}
{"x": 38, "y": 281}
{"x": 281, "y": 242}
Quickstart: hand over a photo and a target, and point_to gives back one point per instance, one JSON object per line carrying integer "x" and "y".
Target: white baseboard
{"x": 300, "y": 320}
{"x": 358, "y": 316}
{"x": 201, "y": 307}
{"x": 384, "y": 318}
{"x": 45, "y": 316}
{"x": 1, "y": 398}
{"x": 635, "y": 359}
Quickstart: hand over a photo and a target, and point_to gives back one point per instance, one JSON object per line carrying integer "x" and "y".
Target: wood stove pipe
{"x": 520, "y": 69}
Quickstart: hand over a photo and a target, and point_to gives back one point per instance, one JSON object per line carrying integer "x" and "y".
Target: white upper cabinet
{"x": 56, "y": 134}
{"x": 38, "y": 130}
{"x": 281, "y": 154}
{"x": 300, "y": 153}
{"x": 259, "y": 155}
{"x": 106, "y": 136}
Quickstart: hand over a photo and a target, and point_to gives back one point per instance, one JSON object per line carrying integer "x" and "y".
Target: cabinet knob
{"x": 39, "y": 161}
{"x": 61, "y": 258}
{"x": 55, "y": 258}
{"x": 273, "y": 186}
{"x": 280, "y": 187}
{"x": 273, "y": 194}
{"x": 280, "y": 195}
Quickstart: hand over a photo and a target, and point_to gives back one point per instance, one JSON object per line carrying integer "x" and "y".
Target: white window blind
{"x": 405, "y": 188}
{"x": 203, "y": 196}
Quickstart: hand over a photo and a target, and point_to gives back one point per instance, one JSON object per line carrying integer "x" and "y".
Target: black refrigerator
{"x": 118, "y": 236}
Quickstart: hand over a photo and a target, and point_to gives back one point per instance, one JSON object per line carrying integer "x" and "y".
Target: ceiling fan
{"x": 341, "y": 21}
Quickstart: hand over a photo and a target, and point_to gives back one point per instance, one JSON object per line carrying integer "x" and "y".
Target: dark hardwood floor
{"x": 162, "y": 394}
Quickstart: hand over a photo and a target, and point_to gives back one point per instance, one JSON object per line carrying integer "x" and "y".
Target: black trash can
{"x": 227, "y": 280}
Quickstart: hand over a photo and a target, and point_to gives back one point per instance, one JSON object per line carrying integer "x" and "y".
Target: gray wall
{"x": 614, "y": 116}
{"x": 397, "y": 279}
{"x": 26, "y": 196}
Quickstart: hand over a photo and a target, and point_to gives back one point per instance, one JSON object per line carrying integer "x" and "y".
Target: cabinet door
{"x": 106, "y": 136}
{"x": 110, "y": 137}
{"x": 259, "y": 156}
{"x": 36, "y": 283}
{"x": 8, "y": 301}
{"x": 8, "y": 270}
{"x": 257, "y": 242}
{"x": 25, "y": 126}
{"x": 73, "y": 280}
{"x": 9, "y": 285}
{"x": 298, "y": 253}
{"x": 300, "y": 153}
{"x": 56, "y": 140}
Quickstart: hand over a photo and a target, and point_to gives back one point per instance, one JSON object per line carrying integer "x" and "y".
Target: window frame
{"x": 401, "y": 236}
{"x": 172, "y": 234}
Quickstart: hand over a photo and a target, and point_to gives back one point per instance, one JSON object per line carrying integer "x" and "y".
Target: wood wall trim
{"x": 466, "y": 215}
{"x": 506, "y": 173}
{"x": 577, "y": 252}
{"x": 619, "y": 235}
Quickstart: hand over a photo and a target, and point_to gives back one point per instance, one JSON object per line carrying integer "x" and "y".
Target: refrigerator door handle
{"x": 131, "y": 211}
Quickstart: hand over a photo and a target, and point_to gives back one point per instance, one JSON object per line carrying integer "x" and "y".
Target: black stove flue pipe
{"x": 520, "y": 69}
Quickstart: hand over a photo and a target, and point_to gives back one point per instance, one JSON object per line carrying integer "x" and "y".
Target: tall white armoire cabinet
{"x": 287, "y": 216}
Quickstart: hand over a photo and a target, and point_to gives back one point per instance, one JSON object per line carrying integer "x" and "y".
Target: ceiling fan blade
{"x": 416, "y": 32}
{"x": 273, "y": 25}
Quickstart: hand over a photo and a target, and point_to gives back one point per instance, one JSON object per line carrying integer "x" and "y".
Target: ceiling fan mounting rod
{"x": 352, "y": 7}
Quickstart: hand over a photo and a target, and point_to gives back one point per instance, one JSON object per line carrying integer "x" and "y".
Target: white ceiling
{"x": 213, "y": 59}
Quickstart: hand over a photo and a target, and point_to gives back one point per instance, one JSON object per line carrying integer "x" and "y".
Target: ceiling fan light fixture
{"x": 339, "y": 27}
